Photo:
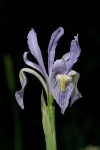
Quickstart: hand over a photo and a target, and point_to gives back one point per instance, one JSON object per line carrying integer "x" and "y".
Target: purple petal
{"x": 62, "y": 97}
{"x": 59, "y": 66}
{"x": 31, "y": 64}
{"x": 75, "y": 94}
{"x": 19, "y": 94}
{"x": 74, "y": 53}
{"x": 35, "y": 50}
{"x": 52, "y": 45}
{"x": 66, "y": 57}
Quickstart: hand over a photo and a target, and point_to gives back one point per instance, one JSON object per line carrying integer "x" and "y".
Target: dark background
{"x": 80, "y": 125}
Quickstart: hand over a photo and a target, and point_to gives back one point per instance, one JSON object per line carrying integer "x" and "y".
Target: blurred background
{"x": 80, "y": 125}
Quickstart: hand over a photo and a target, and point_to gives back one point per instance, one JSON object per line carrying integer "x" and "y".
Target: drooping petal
{"x": 52, "y": 46}
{"x": 31, "y": 64}
{"x": 19, "y": 94}
{"x": 74, "y": 53}
{"x": 35, "y": 50}
{"x": 75, "y": 94}
{"x": 62, "y": 97}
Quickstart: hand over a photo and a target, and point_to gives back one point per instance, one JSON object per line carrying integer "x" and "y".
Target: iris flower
{"x": 61, "y": 81}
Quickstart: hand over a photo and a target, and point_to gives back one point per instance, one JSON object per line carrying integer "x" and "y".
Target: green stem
{"x": 51, "y": 114}
{"x": 48, "y": 121}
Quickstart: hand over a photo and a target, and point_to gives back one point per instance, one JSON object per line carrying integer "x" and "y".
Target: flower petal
{"x": 62, "y": 97}
{"x": 74, "y": 53}
{"x": 66, "y": 57}
{"x": 35, "y": 50}
{"x": 75, "y": 94}
{"x": 59, "y": 65}
{"x": 31, "y": 64}
{"x": 19, "y": 94}
{"x": 52, "y": 45}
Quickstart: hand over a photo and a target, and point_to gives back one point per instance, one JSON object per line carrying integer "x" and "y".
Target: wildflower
{"x": 61, "y": 81}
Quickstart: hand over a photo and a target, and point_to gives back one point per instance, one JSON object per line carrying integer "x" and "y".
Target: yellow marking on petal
{"x": 63, "y": 82}
{"x": 20, "y": 76}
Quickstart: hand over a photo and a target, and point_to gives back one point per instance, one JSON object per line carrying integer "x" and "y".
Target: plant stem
{"x": 48, "y": 121}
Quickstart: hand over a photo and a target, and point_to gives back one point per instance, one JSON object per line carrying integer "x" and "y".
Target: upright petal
{"x": 75, "y": 94}
{"x": 74, "y": 53}
{"x": 35, "y": 50}
{"x": 59, "y": 66}
{"x": 66, "y": 57}
{"x": 31, "y": 64}
{"x": 52, "y": 45}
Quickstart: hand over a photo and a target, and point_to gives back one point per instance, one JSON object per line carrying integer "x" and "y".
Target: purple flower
{"x": 61, "y": 81}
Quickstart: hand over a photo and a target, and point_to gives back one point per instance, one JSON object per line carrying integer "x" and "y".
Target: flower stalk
{"x": 48, "y": 122}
